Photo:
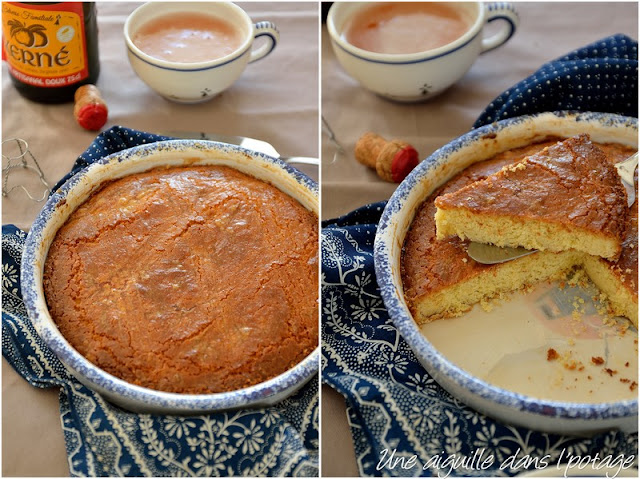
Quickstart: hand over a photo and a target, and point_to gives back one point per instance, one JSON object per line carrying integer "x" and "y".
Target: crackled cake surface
{"x": 187, "y": 279}
{"x": 440, "y": 280}
{"x": 566, "y": 196}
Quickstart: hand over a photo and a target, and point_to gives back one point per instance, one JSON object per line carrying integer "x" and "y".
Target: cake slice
{"x": 568, "y": 196}
{"x": 618, "y": 280}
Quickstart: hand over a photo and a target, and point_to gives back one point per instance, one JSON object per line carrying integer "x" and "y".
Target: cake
{"x": 440, "y": 280}
{"x": 196, "y": 279}
{"x": 566, "y": 196}
{"x": 618, "y": 279}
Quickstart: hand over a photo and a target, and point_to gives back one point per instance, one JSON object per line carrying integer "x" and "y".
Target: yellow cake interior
{"x": 622, "y": 300}
{"x": 513, "y": 275}
{"x": 512, "y": 231}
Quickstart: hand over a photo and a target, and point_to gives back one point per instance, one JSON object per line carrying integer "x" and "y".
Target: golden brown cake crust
{"x": 429, "y": 265}
{"x": 189, "y": 280}
{"x": 570, "y": 183}
{"x": 627, "y": 264}
{"x": 625, "y": 269}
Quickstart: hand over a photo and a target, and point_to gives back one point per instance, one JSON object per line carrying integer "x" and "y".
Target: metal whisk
{"x": 20, "y": 156}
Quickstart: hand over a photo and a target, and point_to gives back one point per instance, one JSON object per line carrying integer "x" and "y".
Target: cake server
{"x": 307, "y": 165}
{"x": 244, "y": 142}
{"x": 626, "y": 170}
{"x": 491, "y": 254}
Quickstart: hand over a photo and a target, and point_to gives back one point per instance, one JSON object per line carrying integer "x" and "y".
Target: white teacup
{"x": 201, "y": 81}
{"x": 419, "y": 76}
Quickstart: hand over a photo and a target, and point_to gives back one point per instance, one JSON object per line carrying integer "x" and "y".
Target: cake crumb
{"x": 518, "y": 166}
{"x": 572, "y": 365}
{"x": 610, "y": 371}
{"x": 552, "y": 354}
{"x": 609, "y": 320}
{"x": 577, "y": 278}
{"x": 486, "y": 305}
{"x": 597, "y": 360}
{"x": 490, "y": 302}
{"x": 603, "y": 310}
{"x": 623, "y": 328}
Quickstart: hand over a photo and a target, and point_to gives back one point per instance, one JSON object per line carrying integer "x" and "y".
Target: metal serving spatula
{"x": 309, "y": 166}
{"x": 244, "y": 142}
{"x": 490, "y": 254}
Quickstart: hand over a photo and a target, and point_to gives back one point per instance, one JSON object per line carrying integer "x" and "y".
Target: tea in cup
{"x": 188, "y": 37}
{"x": 189, "y": 52}
{"x": 411, "y": 51}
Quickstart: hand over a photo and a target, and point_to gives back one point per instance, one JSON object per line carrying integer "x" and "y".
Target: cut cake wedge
{"x": 568, "y": 196}
{"x": 618, "y": 279}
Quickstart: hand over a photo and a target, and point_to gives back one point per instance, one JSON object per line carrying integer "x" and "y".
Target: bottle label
{"x": 44, "y": 45}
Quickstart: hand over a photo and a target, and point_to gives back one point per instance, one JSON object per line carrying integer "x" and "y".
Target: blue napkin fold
{"x": 116, "y": 138}
{"x": 105, "y": 440}
{"x": 602, "y": 77}
{"x": 397, "y": 412}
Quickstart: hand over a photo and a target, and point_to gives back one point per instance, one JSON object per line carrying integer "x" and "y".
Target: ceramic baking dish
{"x": 574, "y": 417}
{"x": 76, "y": 190}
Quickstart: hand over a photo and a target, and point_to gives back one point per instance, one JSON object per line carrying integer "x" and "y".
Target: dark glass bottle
{"x": 51, "y": 48}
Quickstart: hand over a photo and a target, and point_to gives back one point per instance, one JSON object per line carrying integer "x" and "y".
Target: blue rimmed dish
{"x": 570, "y": 417}
{"x": 142, "y": 158}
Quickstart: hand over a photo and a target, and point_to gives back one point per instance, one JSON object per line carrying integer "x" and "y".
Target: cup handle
{"x": 268, "y": 30}
{"x": 500, "y": 11}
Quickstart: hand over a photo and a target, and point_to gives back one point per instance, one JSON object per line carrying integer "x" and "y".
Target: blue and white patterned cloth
{"x": 104, "y": 440}
{"x": 602, "y": 76}
{"x": 392, "y": 402}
